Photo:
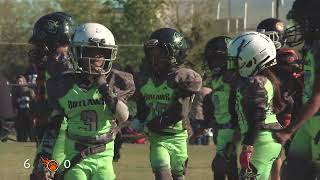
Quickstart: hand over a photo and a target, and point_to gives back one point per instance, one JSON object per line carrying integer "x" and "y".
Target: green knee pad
{"x": 169, "y": 152}
{"x": 266, "y": 151}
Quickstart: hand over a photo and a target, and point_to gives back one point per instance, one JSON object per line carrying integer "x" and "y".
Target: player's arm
{"x": 56, "y": 88}
{"x": 187, "y": 82}
{"x": 116, "y": 89}
{"x": 51, "y": 133}
{"x": 311, "y": 107}
{"x": 45, "y": 149}
{"x": 142, "y": 108}
{"x": 234, "y": 115}
{"x": 124, "y": 88}
{"x": 254, "y": 105}
{"x": 116, "y": 86}
{"x": 208, "y": 116}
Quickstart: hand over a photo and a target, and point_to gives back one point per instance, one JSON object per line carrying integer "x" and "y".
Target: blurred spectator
{"x": 6, "y": 110}
{"x": 23, "y": 97}
{"x": 31, "y": 75}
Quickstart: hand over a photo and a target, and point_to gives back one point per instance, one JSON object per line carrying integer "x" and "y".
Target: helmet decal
{"x": 52, "y": 26}
{"x": 171, "y": 41}
{"x": 51, "y": 30}
{"x": 177, "y": 38}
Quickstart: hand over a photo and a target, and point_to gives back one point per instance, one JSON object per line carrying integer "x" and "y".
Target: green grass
{"x": 133, "y": 165}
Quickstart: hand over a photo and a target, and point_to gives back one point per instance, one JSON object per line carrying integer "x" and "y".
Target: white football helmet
{"x": 90, "y": 39}
{"x": 253, "y": 53}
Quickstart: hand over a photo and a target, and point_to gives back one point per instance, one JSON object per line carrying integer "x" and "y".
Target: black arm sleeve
{"x": 232, "y": 105}
{"x": 254, "y": 105}
{"x": 142, "y": 108}
{"x": 208, "y": 112}
{"x": 51, "y": 134}
{"x": 56, "y": 88}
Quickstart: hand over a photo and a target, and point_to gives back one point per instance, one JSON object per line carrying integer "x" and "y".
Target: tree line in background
{"x": 131, "y": 22}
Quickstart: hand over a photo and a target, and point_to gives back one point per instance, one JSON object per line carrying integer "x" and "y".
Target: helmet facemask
{"x": 278, "y": 39}
{"x": 95, "y": 57}
{"x": 293, "y": 36}
{"x": 215, "y": 55}
{"x": 305, "y": 15}
{"x": 217, "y": 62}
{"x": 159, "y": 55}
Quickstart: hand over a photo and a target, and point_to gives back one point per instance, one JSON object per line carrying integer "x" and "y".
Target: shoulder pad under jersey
{"x": 186, "y": 80}
{"x": 121, "y": 83}
{"x": 254, "y": 90}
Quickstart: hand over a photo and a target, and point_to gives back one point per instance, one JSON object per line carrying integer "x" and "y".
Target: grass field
{"x": 133, "y": 165}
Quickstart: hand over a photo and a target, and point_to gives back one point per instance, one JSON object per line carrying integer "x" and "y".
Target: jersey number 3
{"x": 89, "y": 119}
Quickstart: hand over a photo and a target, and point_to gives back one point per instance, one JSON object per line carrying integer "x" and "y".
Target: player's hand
{"x": 106, "y": 92}
{"x": 282, "y": 135}
{"x": 245, "y": 156}
{"x": 103, "y": 87}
